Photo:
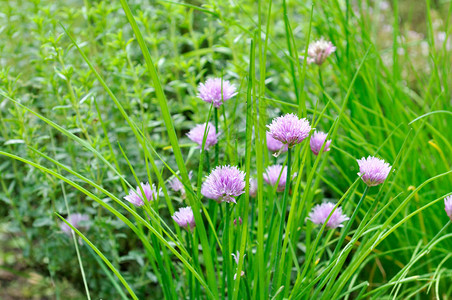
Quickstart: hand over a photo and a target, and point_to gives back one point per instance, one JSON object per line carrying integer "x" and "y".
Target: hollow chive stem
{"x": 349, "y": 223}
{"x": 217, "y": 148}
{"x": 283, "y": 211}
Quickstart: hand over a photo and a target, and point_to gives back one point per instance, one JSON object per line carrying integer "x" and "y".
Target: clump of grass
{"x": 99, "y": 98}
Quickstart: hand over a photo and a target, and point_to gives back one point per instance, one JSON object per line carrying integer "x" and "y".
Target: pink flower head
{"x": 177, "y": 186}
{"x": 318, "y": 51}
{"x": 271, "y": 175}
{"x": 317, "y": 141}
{"x": 253, "y": 187}
{"x": 184, "y": 217}
{"x": 197, "y": 135}
{"x": 374, "y": 171}
{"x": 448, "y": 206}
{"x": 320, "y": 213}
{"x": 289, "y": 129}
{"x": 211, "y": 91}
{"x": 136, "y": 197}
{"x": 224, "y": 183}
{"x": 275, "y": 145}
{"x": 236, "y": 259}
{"x": 77, "y": 220}
{"x": 239, "y": 219}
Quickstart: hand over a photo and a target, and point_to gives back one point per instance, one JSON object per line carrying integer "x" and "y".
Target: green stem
{"x": 195, "y": 244}
{"x": 228, "y": 252}
{"x": 190, "y": 277}
{"x": 270, "y": 234}
{"x": 158, "y": 257}
{"x": 217, "y": 147}
{"x": 283, "y": 215}
{"x": 413, "y": 261}
{"x": 227, "y": 278}
{"x": 108, "y": 274}
{"x": 349, "y": 223}
{"x": 207, "y": 161}
{"x": 426, "y": 249}
{"x": 289, "y": 40}
{"x": 321, "y": 85}
{"x": 339, "y": 245}
{"x": 247, "y": 288}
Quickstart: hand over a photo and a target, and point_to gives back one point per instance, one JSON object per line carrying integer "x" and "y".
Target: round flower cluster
{"x": 197, "y": 135}
{"x": 184, "y": 217}
{"x": 273, "y": 173}
{"x": 317, "y": 141}
{"x": 318, "y": 51}
{"x": 374, "y": 171}
{"x": 223, "y": 184}
{"x": 275, "y": 145}
{"x": 136, "y": 196}
{"x": 320, "y": 213}
{"x": 216, "y": 91}
{"x": 289, "y": 129}
{"x": 77, "y": 220}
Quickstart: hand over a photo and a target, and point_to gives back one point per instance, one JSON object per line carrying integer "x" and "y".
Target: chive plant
{"x": 213, "y": 151}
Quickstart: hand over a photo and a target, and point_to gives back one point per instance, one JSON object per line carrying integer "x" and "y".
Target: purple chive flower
{"x": 236, "y": 259}
{"x": 197, "y": 135}
{"x": 318, "y": 51}
{"x": 240, "y": 221}
{"x": 275, "y": 145}
{"x": 253, "y": 187}
{"x": 448, "y": 206}
{"x": 320, "y": 213}
{"x": 136, "y": 196}
{"x": 289, "y": 129}
{"x": 211, "y": 91}
{"x": 317, "y": 141}
{"x": 177, "y": 186}
{"x": 224, "y": 183}
{"x": 77, "y": 220}
{"x": 271, "y": 176}
{"x": 184, "y": 217}
{"x": 373, "y": 170}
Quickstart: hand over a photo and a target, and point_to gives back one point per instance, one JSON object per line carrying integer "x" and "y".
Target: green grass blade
{"x": 101, "y": 255}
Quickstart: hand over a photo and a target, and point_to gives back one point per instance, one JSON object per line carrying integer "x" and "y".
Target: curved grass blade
{"x": 101, "y": 255}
